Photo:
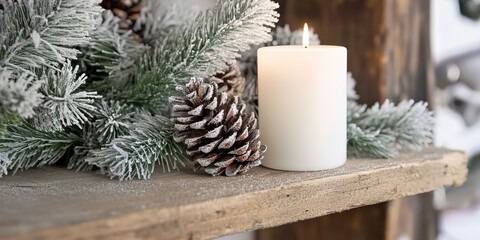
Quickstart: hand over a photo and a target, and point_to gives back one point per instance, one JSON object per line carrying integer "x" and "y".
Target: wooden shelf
{"x": 54, "y": 203}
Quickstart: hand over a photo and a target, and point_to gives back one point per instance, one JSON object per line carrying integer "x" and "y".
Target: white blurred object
{"x": 451, "y": 130}
{"x": 460, "y": 224}
{"x": 452, "y": 34}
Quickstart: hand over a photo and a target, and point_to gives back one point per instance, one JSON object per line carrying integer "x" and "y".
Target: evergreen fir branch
{"x": 28, "y": 147}
{"x": 63, "y": 104}
{"x": 41, "y": 33}
{"x": 8, "y": 118}
{"x": 201, "y": 49}
{"x": 19, "y": 93}
{"x": 161, "y": 18}
{"x": 134, "y": 155}
{"x": 382, "y": 130}
{"x": 114, "y": 55}
{"x": 366, "y": 142}
{"x": 84, "y": 149}
{"x": 112, "y": 120}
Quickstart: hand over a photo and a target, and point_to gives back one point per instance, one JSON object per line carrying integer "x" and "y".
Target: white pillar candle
{"x": 303, "y": 106}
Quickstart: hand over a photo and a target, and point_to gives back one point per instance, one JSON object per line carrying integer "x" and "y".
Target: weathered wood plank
{"x": 388, "y": 42}
{"x": 54, "y": 203}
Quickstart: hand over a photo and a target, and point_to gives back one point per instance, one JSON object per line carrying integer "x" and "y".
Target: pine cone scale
{"x": 228, "y": 142}
{"x": 241, "y": 150}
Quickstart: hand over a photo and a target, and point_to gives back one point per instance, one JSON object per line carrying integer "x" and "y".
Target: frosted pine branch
{"x": 135, "y": 155}
{"x": 114, "y": 55}
{"x": 41, "y": 33}
{"x": 64, "y": 104}
{"x": 88, "y": 143}
{"x": 8, "y": 118}
{"x": 161, "y": 18}
{"x": 370, "y": 142}
{"x": 113, "y": 120}
{"x": 384, "y": 129}
{"x": 201, "y": 48}
{"x": 28, "y": 147}
{"x": 19, "y": 93}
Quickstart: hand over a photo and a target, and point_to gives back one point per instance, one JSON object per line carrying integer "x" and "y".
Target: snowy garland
{"x": 76, "y": 88}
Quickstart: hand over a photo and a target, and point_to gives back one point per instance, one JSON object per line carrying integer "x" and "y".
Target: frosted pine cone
{"x": 231, "y": 81}
{"x": 220, "y": 137}
{"x": 129, "y": 12}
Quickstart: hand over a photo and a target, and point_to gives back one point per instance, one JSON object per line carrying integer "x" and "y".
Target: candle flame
{"x": 306, "y": 37}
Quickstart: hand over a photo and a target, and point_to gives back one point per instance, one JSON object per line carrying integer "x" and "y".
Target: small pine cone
{"x": 220, "y": 137}
{"x": 231, "y": 81}
{"x": 128, "y": 11}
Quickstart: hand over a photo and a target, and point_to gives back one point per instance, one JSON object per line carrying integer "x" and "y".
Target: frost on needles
{"x": 200, "y": 48}
{"x": 37, "y": 41}
{"x": 37, "y": 38}
{"x": 75, "y": 88}
{"x": 61, "y": 111}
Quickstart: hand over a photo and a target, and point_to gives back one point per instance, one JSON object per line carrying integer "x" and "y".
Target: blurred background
{"x": 421, "y": 49}
{"x": 455, "y": 41}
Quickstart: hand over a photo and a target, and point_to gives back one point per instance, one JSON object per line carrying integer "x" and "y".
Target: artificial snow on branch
{"x": 24, "y": 147}
{"x": 201, "y": 48}
{"x": 41, "y": 33}
{"x": 113, "y": 56}
{"x": 88, "y": 142}
{"x": 113, "y": 120}
{"x": 64, "y": 105}
{"x": 19, "y": 93}
{"x": 382, "y": 130}
{"x": 161, "y": 18}
{"x": 135, "y": 155}
{"x": 8, "y": 118}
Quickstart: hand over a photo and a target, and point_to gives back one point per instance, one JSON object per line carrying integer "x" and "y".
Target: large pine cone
{"x": 230, "y": 81}
{"x": 220, "y": 137}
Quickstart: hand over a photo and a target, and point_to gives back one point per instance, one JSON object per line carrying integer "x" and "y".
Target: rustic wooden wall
{"x": 387, "y": 42}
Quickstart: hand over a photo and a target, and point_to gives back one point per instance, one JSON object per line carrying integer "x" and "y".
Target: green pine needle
{"x": 200, "y": 48}
{"x": 26, "y": 147}
{"x": 382, "y": 130}
{"x": 135, "y": 155}
{"x": 43, "y": 33}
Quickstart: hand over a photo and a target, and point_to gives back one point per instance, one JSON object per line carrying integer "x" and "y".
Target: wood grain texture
{"x": 411, "y": 217}
{"x": 54, "y": 203}
{"x": 346, "y": 225}
{"x": 387, "y": 42}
